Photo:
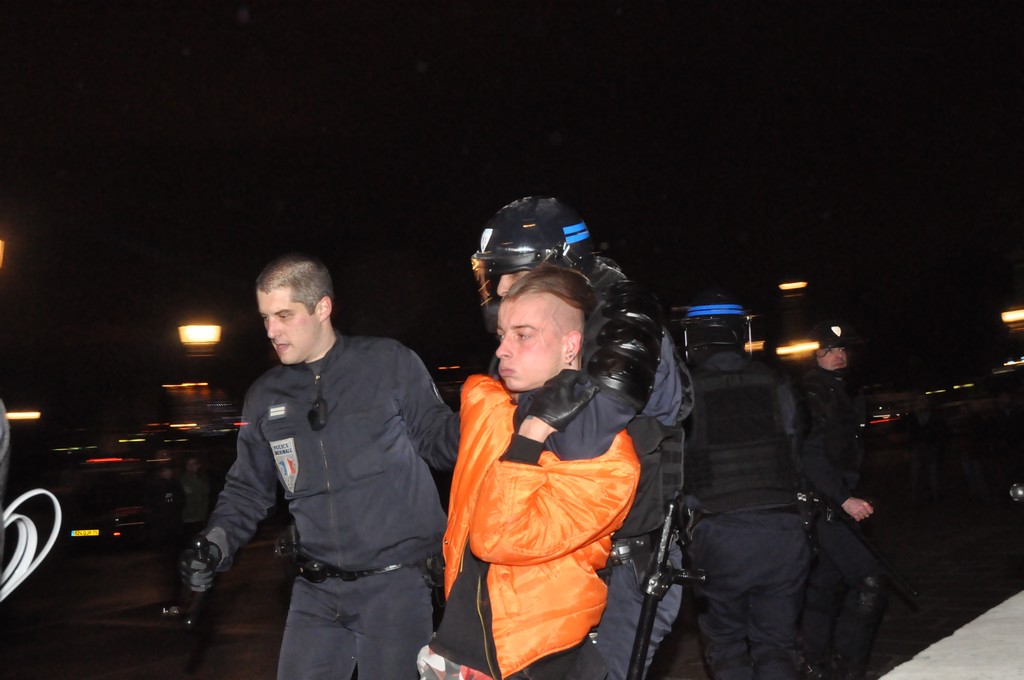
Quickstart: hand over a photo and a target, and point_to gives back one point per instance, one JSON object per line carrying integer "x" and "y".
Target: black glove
{"x": 197, "y": 563}
{"x": 559, "y": 400}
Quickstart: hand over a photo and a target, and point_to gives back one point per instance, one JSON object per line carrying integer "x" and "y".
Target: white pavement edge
{"x": 991, "y": 647}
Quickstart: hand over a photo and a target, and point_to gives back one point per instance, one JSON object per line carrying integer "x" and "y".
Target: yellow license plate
{"x": 85, "y": 532}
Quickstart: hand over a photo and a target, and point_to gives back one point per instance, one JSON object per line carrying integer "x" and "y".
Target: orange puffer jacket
{"x": 544, "y": 529}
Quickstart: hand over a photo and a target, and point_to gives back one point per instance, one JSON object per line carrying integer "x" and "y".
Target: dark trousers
{"x": 378, "y": 622}
{"x": 756, "y": 563}
{"x": 621, "y": 618}
{"x": 840, "y": 616}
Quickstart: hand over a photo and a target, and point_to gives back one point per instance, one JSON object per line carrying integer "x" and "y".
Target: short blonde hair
{"x": 568, "y": 285}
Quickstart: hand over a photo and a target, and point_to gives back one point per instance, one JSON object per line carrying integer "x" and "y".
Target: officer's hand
{"x": 560, "y": 400}
{"x": 858, "y": 508}
{"x": 196, "y": 564}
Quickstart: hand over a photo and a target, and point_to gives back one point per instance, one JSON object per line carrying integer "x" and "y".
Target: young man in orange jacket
{"x": 529, "y": 530}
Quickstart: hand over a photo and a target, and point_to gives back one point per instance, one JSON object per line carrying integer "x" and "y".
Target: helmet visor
{"x": 488, "y": 271}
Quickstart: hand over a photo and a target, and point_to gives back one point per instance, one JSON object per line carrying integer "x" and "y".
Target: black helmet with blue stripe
{"x": 526, "y": 233}
{"x": 715, "y": 321}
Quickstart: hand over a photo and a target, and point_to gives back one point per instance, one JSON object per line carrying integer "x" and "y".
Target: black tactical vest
{"x": 841, "y": 417}
{"x": 738, "y": 453}
{"x": 660, "y": 450}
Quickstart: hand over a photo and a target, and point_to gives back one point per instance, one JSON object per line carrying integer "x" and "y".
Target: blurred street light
{"x": 1, "y": 254}
{"x": 194, "y": 405}
{"x": 751, "y": 346}
{"x": 796, "y": 349}
{"x": 1014, "y": 318}
{"x": 199, "y": 335}
{"x": 24, "y": 415}
{"x": 199, "y": 340}
{"x": 791, "y": 305}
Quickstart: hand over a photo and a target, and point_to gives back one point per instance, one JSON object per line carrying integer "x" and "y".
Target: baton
{"x": 851, "y": 525}
{"x": 658, "y": 584}
{"x": 195, "y": 609}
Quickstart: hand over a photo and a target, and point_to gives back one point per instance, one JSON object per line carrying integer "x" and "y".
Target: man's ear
{"x": 323, "y": 309}
{"x": 573, "y": 343}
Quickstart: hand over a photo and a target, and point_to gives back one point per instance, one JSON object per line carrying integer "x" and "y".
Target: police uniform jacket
{"x": 670, "y": 401}
{"x": 833, "y": 448}
{"x": 360, "y": 490}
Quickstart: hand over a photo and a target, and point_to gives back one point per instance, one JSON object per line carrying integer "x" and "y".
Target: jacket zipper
{"x": 496, "y": 674}
{"x": 327, "y": 478}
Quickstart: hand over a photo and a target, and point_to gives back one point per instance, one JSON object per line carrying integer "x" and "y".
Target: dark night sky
{"x": 154, "y": 158}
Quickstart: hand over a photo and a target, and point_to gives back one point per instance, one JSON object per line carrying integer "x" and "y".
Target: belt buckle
{"x": 621, "y": 554}
{"x": 314, "y": 572}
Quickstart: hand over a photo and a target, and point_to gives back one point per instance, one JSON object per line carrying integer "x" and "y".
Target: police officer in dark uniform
{"x": 642, "y": 384}
{"x": 742, "y": 482}
{"x": 846, "y": 591}
{"x": 346, "y": 426}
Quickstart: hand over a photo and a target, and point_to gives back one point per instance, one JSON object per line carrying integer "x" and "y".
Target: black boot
{"x": 815, "y": 671}
{"x": 847, "y": 669}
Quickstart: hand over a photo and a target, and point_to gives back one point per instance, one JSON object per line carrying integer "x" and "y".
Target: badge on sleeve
{"x": 287, "y": 461}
